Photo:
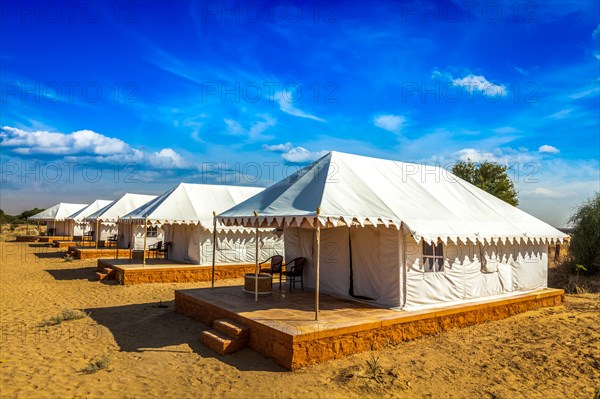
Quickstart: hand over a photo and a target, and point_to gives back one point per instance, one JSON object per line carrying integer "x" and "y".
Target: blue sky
{"x": 102, "y": 98}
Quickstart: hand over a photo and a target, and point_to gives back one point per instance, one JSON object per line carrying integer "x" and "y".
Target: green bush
{"x": 585, "y": 234}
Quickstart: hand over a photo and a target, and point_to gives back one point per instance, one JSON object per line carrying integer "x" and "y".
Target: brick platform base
{"x": 282, "y": 327}
{"x": 170, "y": 272}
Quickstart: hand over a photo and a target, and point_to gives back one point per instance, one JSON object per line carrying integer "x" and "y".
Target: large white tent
{"x": 400, "y": 235}
{"x": 186, "y": 214}
{"x": 78, "y": 225}
{"x": 105, "y": 219}
{"x": 58, "y": 215}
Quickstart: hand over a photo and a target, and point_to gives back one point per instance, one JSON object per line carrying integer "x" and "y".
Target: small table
{"x": 264, "y": 283}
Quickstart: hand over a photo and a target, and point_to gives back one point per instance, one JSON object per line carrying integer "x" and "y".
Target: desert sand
{"x": 154, "y": 352}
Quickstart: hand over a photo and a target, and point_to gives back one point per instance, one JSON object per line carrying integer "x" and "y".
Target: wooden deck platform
{"x": 73, "y": 243}
{"x": 49, "y": 239}
{"x": 91, "y": 252}
{"x": 282, "y": 325}
{"x": 128, "y": 272}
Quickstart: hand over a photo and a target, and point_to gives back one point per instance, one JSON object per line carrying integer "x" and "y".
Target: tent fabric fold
{"x": 431, "y": 202}
{"x": 58, "y": 213}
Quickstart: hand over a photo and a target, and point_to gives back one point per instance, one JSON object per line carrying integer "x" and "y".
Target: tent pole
{"x": 27, "y": 231}
{"x": 256, "y": 262}
{"x": 39, "y": 233}
{"x": 214, "y": 255}
{"x": 145, "y": 234}
{"x": 318, "y": 265}
{"x": 54, "y": 227}
{"x": 117, "y": 242}
{"x": 96, "y": 232}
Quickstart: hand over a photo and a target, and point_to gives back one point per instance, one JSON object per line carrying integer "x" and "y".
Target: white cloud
{"x": 44, "y": 142}
{"x": 256, "y": 130}
{"x": 234, "y": 127}
{"x": 548, "y": 149}
{"x": 285, "y": 105}
{"x": 301, "y": 155}
{"x": 294, "y": 154}
{"x": 506, "y": 130}
{"x": 561, "y": 114}
{"x": 167, "y": 158}
{"x": 541, "y": 192}
{"x": 479, "y": 83}
{"x": 85, "y": 146}
{"x": 522, "y": 71}
{"x": 596, "y": 32}
{"x": 391, "y": 123}
{"x": 475, "y": 155}
{"x": 278, "y": 147}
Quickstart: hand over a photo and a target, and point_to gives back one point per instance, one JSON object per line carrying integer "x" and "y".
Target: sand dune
{"x": 154, "y": 352}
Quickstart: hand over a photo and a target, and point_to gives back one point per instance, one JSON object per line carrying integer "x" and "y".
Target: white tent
{"x": 400, "y": 235}
{"x": 185, "y": 213}
{"x": 58, "y": 215}
{"x": 77, "y": 223}
{"x": 105, "y": 219}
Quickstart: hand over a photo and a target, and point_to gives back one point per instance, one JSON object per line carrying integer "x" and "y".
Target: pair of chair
{"x": 158, "y": 248}
{"x": 110, "y": 240}
{"x": 293, "y": 269}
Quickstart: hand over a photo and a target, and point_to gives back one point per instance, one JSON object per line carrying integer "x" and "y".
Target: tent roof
{"x": 88, "y": 210}
{"x": 116, "y": 209}
{"x": 350, "y": 189}
{"x": 57, "y": 213}
{"x": 191, "y": 204}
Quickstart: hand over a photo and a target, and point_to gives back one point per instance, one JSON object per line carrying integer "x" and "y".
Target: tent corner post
{"x": 214, "y": 251}
{"x": 256, "y": 261}
{"x": 318, "y": 265}
{"x": 145, "y": 235}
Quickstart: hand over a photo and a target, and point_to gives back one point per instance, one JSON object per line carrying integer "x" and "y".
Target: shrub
{"x": 585, "y": 235}
{"x": 96, "y": 365}
{"x": 65, "y": 315}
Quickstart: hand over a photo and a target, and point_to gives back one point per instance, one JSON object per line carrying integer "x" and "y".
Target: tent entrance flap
{"x": 351, "y": 291}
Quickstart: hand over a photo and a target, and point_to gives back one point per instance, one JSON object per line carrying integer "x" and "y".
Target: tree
{"x": 489, "y": 177}
{"x": 585, "y": 234}
{"x": 24, "y": 215}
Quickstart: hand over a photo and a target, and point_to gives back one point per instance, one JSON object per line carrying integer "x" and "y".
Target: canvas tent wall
{"x": 399, "y": 234}
{"x": 78, "y": 224}
{"x": 106, "y": 218}
{"x": 56, "y": 218}
{"x": 131, "y": 235}
{"x": 185, "y": 213}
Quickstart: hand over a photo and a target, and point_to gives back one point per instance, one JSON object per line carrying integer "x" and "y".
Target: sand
{"x": 154, "y": 352}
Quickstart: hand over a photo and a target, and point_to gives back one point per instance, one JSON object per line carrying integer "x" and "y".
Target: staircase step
{"x": 221, "y": 343}
{"x": 109, "y": 271}
{"x": 101, "y": 276}
{"x": 231, "y": 328}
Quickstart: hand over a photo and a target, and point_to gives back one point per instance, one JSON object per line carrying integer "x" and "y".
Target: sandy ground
{"x": 154, "y": 352}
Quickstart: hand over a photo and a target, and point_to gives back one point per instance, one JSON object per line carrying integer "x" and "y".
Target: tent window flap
{"x": 433, "y": 257}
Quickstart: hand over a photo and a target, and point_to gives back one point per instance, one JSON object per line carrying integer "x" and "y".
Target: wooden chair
{"x": 110, "y": 240}
{"x": 276, "y": 266}
{"x": 154, "y": 248}
{"x": 293, "y": 269}
{"x": 164, "y": 250}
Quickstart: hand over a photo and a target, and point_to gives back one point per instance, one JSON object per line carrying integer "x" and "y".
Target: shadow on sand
{"x": 82, "y": 273}
{"x": 41, "y": 245}
{"x": 49, "y": 255}
{"x": 149, "y": 327}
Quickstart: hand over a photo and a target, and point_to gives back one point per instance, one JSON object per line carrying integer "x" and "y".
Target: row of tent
{"x": 182, "y": 216}
{"x": 395, "y": 234}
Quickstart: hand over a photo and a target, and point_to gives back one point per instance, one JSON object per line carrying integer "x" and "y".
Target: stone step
{"x": 109, "y": 271}
{"x": 101, "y": 276}
{"x": 221, "y": 343}
{"x": 231, "y": 328}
